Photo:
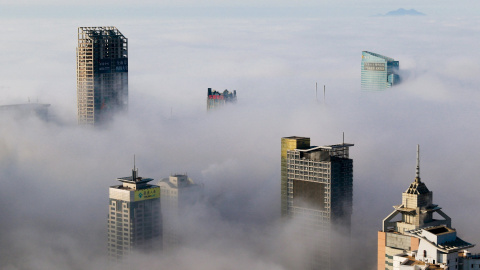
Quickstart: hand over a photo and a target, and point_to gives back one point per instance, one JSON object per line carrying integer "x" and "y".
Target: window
{"x": 424, "y": 253}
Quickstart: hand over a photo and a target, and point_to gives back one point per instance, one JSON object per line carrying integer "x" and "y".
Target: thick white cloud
{"x": 55, "y": 177}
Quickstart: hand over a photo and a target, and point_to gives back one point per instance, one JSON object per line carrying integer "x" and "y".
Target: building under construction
{"x": 102, "y": 74}
{"x": 317, "y": 192}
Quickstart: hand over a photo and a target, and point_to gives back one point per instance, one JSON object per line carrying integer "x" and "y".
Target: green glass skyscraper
{"x": 378, "y": 72}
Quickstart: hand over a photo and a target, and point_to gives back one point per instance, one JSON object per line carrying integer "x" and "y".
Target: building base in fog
{"x": 218, "y": 99}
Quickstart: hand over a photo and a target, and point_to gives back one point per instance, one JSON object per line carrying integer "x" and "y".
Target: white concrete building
{"x": 178, "y": 192}
{"x": 413, "y": 238}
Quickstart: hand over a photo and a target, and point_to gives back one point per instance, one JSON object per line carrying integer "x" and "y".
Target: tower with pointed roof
{"x": 415, "y": 212}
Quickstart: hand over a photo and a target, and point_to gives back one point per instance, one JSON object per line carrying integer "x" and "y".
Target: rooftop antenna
{"x": 417, "y": 171}
{"x": 343, "y": 134}
{"x": 324, "y": 94}
{"x": 134, "y": 171}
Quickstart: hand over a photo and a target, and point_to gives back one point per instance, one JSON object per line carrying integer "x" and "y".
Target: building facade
{"x": 102, "y": 74}
{"x": 378, "y": 72}
{"x": 319, "y": 193}
{"x": 217, "y": 99}
{"x": 178, "y": 192}
{"x": 418, "y": 234}
{"x": 134, "y": 216}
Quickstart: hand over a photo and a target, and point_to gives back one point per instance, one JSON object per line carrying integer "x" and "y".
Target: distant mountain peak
{"x": 403, "y": 12}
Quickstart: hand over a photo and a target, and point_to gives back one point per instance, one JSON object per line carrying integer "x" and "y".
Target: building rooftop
{"x": 438, "y": 230}
{"x": 447, "y": 247}
{"x": 379, "y": 56}
{"x": 296, "y": 137}
{"x": 129, "y": 188}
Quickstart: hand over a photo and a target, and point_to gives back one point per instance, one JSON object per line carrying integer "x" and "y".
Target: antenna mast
{"x": 324, "y": 94}
{"x": 417, "y": 171}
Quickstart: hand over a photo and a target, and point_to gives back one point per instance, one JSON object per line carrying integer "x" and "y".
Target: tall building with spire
{"x": 412, "y": 237}
{"x": 318, "y": 181}
{"x": 134, "y": 216}
{"x": 102, "y": 74}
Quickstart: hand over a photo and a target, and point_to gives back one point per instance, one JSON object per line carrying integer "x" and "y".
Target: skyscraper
{"x": 412, "y": 236}
{"x": 378, "y": 72}
{"x": 134, "y": 216}
{"x": 319, "y": 193}
{"x": 178, "y": 192}
{"x": 102, "y": 74}
{"x": 217, "y": 99}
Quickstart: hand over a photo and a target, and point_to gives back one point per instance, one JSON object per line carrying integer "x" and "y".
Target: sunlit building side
{"x": 217, "y": 99}
{"x": 418, "y": 235}
{"x": 134, "y": 217}
{"x": 102, "y": 74}
{"x": 378, "y": 72}
{"x": 319, "y": 182}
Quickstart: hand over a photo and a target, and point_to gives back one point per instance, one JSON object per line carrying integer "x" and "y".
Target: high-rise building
{"x": 178, "y": 192}
{"x": 134, "y": 216}
{"x": 217, "y": 99}
{"x": 21, "y": 111}
{"x": 319, "y": 193}
{"x": 102, "y": 74}
{"x": 418, "y": 234}
{"x": 378, "y": 72}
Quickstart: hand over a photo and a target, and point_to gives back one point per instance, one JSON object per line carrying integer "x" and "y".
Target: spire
{"x": 134, "y": 171}
{"x": 417, "y": 172}
{"x": 417, "y": 187}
